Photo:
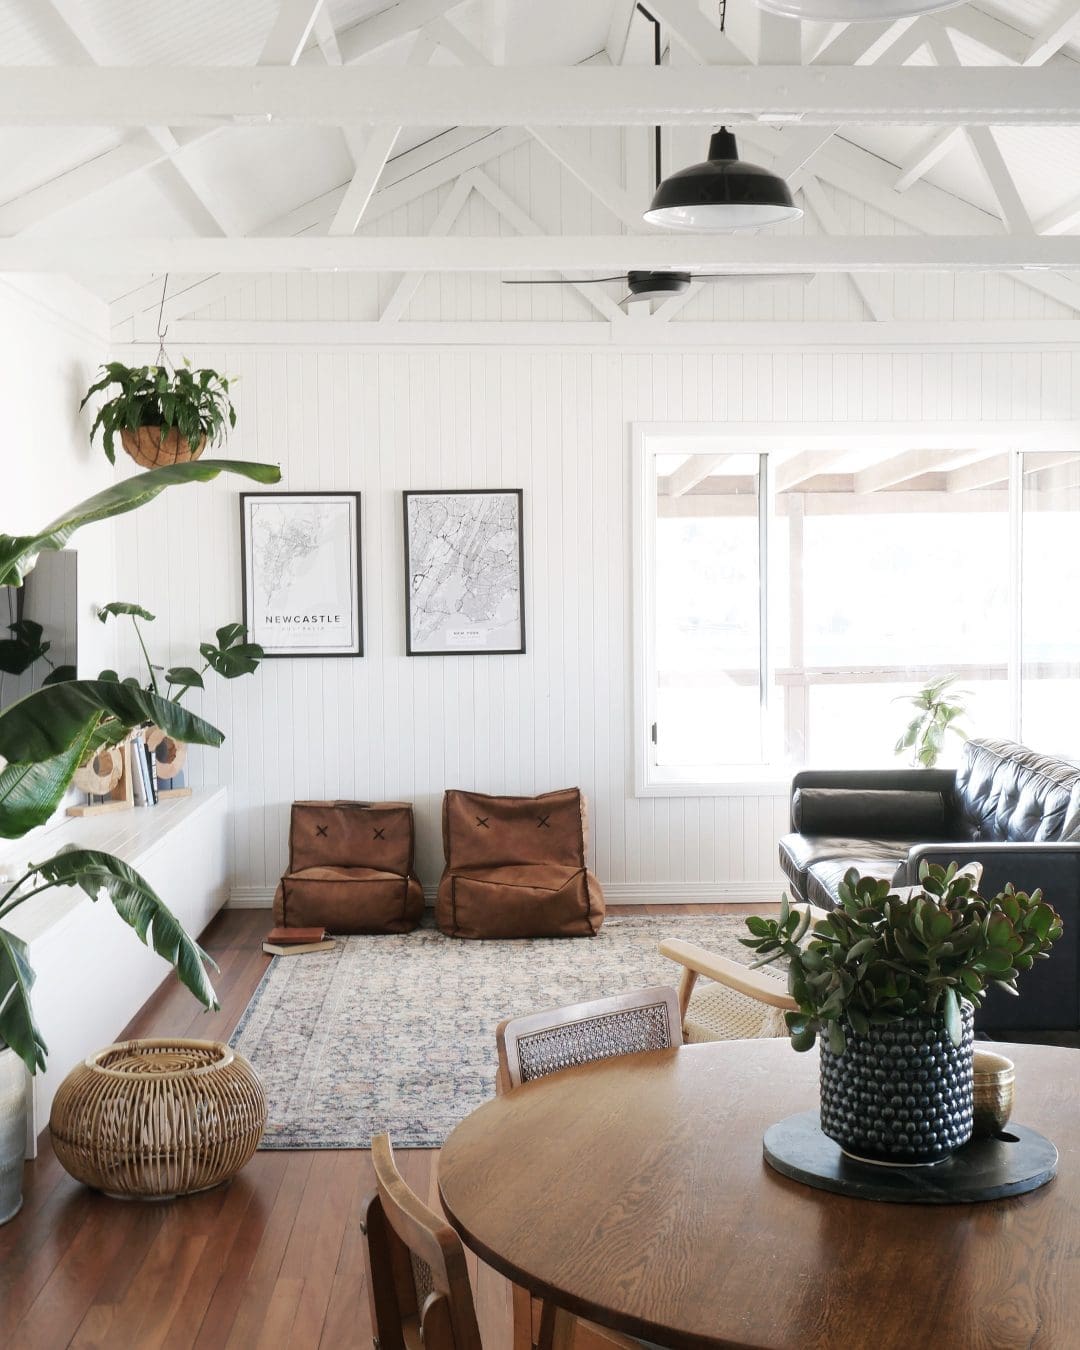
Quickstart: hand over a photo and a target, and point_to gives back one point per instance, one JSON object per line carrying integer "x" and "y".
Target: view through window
{"x": 797, "y": 599}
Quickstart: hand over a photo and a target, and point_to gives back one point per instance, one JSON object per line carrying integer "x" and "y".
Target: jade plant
{"x": 194, "y": 402}
{"x": 45, "y": 736}
{"x": 882, "y": 957}
{"x": 939, "y": 707}
{"x": 230, "y": 657}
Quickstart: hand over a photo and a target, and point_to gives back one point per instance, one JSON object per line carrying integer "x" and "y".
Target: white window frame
{"x": 650, "y": 439}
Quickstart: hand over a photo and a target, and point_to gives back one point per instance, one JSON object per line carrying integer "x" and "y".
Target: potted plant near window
{"x": 938, "y": 709}
{"x": 163, "y": 417}
{"x": 44, "y": 737}
{"x": 889, "y": 982}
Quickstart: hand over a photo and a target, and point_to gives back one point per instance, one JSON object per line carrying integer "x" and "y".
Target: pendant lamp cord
{"x": 161, "y": 332}
{"x": 723, "y": 14}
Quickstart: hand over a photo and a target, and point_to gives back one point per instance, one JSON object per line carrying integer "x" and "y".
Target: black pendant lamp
{"x": 723, "y": 193}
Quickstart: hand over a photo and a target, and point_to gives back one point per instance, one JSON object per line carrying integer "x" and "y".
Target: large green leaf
{"x": 117, "y": 607}
{"x": 18, "y": 553}
{"x": 31, "y": 792}
{"x": 139, "y": 906}
{"x": 45, "y": 723}
{"x": 17, "y": 1025}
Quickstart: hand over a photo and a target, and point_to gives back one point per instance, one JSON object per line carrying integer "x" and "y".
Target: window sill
{"x": 768, "y": 781}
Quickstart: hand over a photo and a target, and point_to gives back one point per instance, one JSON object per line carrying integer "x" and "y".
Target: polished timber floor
{"x": 272, "y": 1260}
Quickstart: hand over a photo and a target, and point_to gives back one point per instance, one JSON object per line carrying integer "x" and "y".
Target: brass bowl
{"x": 995, "y": 1081}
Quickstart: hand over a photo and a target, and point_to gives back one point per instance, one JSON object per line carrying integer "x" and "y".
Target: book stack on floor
{"x": 296, "y": 941}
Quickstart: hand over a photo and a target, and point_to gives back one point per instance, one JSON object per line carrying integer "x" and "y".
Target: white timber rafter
{"x": 692, "y": 471}
{"x": 567, "y": 253}
{"x": 289, "y": 34}
{"x": 210, "y": 96}
{"x": 910, "y": 464}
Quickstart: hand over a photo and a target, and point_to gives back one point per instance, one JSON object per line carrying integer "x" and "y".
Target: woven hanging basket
{"x": 153, "y": 1119}
{"x": 152, "y": 450}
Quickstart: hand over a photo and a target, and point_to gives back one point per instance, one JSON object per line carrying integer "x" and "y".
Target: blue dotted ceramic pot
{"x": 902, "y": 1094}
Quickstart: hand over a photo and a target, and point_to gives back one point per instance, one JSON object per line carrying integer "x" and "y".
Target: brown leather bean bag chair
{"x": 350, "y": 869}
{"x": 515, "y": 867}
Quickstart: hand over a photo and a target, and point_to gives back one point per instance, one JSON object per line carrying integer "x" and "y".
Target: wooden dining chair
{"x": 581, "y": 1033}
{"x": 418, "y": 1282}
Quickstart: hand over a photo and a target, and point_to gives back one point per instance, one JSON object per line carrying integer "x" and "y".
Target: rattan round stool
{"x": 154, "y": 1119}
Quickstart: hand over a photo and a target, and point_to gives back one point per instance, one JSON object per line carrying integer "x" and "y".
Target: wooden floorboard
{"x": 273, "y": 1260}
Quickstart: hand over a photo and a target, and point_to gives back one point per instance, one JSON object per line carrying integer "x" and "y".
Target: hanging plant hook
{"x": 162, "y": 332}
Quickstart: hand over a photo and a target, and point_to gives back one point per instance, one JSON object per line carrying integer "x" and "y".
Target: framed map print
{"x": 464, "y": 572}
{"x": 300, "y": 557}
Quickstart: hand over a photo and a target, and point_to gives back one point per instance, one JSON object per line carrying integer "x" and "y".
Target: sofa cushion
{"x": 893, "y": 813}
{"x": 522, "y": 900}
{"x": 485, "y": 831}
{"x": 799, "y": 852}
{"x": 349, "y": 900}
{"x": 824, "y": 878}
{"x": 351, "y": 834}
{"x": 1008, "y": 793}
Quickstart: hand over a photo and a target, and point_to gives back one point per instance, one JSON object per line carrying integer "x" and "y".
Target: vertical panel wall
{"x": 557, "y": 424}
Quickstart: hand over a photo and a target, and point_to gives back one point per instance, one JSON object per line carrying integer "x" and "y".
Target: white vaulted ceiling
{"x": 237, "y": 178}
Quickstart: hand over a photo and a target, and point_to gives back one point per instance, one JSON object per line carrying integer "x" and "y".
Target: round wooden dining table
{"x": 633, "y": 1192}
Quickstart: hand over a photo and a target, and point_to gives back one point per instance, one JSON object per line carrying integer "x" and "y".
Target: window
{"x": 792, "y": 596}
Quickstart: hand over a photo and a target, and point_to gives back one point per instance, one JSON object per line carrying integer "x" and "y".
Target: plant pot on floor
{"x": 13, "y": 1107}
{"x": 148, "y": 447}
{"x": 902, "y": 1094}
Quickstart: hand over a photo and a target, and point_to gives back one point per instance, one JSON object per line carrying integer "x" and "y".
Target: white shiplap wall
{"x": 555, "y": 423}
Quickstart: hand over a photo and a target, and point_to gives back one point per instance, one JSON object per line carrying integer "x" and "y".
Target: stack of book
{"x": 144, "y": 781}
{"x": 295, "y": 941}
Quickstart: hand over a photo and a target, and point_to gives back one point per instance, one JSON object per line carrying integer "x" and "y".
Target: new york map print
{"x": 464, "y": 572}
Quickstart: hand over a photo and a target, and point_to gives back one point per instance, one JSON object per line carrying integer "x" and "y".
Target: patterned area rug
{"x": 398, "y": 1033}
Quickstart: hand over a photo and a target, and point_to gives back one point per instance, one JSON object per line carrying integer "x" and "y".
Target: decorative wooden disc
{"x": 102, "y": 773}
{"x": 171, "y": 755}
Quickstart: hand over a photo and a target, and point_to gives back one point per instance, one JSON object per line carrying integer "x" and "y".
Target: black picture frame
{"x": 470, "y": 647}
{"x": 351, "y": 552}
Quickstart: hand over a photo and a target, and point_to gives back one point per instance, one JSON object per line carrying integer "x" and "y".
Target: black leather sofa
{"x": 1015, "y": 811}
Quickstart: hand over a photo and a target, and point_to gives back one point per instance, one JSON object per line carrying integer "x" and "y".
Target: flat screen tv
{"x": 38, "y": 627}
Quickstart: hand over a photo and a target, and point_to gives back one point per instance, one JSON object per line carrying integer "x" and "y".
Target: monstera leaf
{"x": 232, "y": 656}
{"x": 18, "y": 553}
{"x": 137, "y": 904}
{"x": 46, "y": 735}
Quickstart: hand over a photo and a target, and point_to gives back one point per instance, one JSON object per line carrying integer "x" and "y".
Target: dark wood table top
{"x": 634, "y": 1192}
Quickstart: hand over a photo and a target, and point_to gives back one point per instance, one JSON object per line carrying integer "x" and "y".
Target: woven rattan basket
{"x": 158, "y": 1118}
{"x": 152, "y": 450}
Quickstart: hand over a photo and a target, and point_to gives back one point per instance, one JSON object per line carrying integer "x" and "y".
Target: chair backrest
{"x": 351, "y": 834}
{"x": 483, "y": 831}
{"x": 545, "y": 1042}
{"x": 418, "y": 1283}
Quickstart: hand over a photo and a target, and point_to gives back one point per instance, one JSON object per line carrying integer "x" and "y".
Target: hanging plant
{"x": 162, "y": 417}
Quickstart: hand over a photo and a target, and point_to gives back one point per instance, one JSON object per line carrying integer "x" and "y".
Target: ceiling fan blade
{"x": 565, "y": 281}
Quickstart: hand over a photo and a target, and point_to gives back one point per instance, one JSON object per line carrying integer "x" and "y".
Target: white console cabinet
{"x": 93, "y": 973}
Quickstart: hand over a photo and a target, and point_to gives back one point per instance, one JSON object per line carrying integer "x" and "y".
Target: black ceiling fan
{"x": 647, "y": 285}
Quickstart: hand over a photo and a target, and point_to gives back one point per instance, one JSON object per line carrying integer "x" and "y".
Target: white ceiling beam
{"x": 591, "y": 95}
{"x": 806, "y": 464}
{"x": 291, "y": 29}
{"x": 868, "y": 288}
{"x": 986, "y": 473}
{"x": 1007, "y": 40}
{"x": 692, "y": 471}
{"x": 920, "y": 338}
{"x": 515, "y": 216}
{"x": 581, "y": 253}
{"x": 930, "y": 152}
{"x": 1053, "y": 37}
{"x": 618, "y": 34}
{"x": 326, "y": 37}
{"x": 1011, "y": 205}
{"x": 909, "y": 464}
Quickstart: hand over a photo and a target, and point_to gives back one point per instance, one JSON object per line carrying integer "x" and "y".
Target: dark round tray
{"x": 1011, "y": 1163}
